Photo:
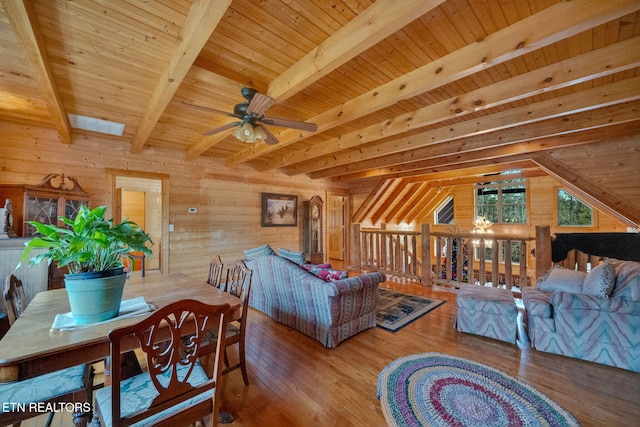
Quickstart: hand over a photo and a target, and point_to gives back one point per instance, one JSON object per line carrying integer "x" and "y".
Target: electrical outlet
{"x": 193, "y": 210}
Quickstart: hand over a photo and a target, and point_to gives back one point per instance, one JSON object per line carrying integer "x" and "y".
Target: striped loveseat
{"x": 329, "y": 312}
{"x": 599, "y": 328}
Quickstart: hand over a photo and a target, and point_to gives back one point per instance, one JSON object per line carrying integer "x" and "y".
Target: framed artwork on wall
{"x": 279, "y": 210}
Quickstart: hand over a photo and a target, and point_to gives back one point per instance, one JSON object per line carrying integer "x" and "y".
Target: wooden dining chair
{"x": 175, "y": 390}
{"x": 215, "y": 272}
{"x": 14, "y": 298}
{"x": 238, "y": 283}
{"x": 67, "y": 385}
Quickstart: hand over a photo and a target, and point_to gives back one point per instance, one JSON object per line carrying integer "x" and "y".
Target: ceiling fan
{"x": 251, "y": 119}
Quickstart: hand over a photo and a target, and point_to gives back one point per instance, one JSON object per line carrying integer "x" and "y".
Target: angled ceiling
{"x": 413, "y": 95}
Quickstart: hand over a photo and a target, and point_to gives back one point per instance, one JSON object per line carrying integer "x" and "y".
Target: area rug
{"x": 397, "y": 309}
{"x": 435, "y": 389}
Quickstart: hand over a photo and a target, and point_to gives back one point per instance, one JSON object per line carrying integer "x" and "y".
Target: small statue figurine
{"x": 6, "y": 220}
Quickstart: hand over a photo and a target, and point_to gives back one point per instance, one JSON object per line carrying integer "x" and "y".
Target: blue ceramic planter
{"x": 95, "y": 297}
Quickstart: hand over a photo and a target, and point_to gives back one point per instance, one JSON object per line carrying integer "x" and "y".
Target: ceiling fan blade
{"x": 222, "y": 128}
{"x": 211, "y": 110}
{"x": 293, "y": 124}
{"x": 259, "y": 104}
{"x": 270, "y": 138}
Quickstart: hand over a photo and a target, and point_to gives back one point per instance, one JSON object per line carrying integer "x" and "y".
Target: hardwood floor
{"x": 295, "y": 381}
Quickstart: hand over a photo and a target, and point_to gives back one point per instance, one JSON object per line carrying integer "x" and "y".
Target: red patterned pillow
{"x": 330, "y": 275}
{"x": 309, "y": 267}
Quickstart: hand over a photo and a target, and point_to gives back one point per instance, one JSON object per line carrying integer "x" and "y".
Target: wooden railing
{"x": 387, "y": 251}
{"x": 405, "y": 254}
{"x": 503, "y": 271}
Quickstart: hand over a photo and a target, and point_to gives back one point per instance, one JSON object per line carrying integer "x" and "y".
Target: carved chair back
{"x": 14, "y": 298}
{"x": 175, "y": 373}
{"x": 215, "y": 272}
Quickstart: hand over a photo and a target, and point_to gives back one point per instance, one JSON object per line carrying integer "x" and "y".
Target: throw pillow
{"x": 627, "y": 280}
{"x": 258, "y": 252}
{"x": 600, "y": 280}
{"x": 296, "y": 257}
{"x": 560, "y": 279}
{"x": 310, "y": 267}
{"x": 330, "y": 275}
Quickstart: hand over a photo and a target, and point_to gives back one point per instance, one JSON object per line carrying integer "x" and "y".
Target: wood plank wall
{"x": 227, "y": 199}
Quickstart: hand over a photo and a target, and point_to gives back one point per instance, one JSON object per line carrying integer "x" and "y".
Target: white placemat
{"x": 128, "y": 308}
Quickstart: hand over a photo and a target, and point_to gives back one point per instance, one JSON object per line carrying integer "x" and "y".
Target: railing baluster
{"x": 495, "y": 258}
{"x": 396, "y": 252}
{"x": 470, "y": 261}
{"x": 508, "y": 280}
{"x": 523, "y": 264}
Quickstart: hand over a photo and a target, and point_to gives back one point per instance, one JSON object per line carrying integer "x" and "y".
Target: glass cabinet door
{"x": 71, "y": 207}
{"x": 41, "y": 209}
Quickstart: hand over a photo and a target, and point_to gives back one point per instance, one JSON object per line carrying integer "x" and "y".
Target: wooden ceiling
{"x": 417, "y": 95}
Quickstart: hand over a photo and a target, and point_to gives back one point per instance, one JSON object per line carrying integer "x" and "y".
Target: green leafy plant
{"x": 90, "y": 243}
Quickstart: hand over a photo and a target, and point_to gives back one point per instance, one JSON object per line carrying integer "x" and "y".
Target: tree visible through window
{"x": 502, "y": 201}
{"x": 571, "y": 211}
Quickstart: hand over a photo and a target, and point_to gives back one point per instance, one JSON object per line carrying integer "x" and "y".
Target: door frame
{"x": 111, "y": 189}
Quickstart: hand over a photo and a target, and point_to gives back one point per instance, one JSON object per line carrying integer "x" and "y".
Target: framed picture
{"x": 279, "y": 210}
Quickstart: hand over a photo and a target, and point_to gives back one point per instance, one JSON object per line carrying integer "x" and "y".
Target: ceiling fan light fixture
{"x": 250, "y": 132}
{"x": 238, "y": 134}
{"x": 258, "y": 134}
{"x": 252, "y": 125}
{"x": 247, "y": 131}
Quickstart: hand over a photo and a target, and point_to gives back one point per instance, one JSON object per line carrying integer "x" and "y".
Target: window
{"x": 444, "y": 214}
{"x": 502, "y": 201}
{"x": 572, "y": 211}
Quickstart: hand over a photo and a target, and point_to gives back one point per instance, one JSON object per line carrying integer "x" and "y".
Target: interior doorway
{"x": 337, "y": 227}
{"x": 142, "y": 197}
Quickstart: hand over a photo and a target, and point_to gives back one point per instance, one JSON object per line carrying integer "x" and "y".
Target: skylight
{"x": 95, "y": 125}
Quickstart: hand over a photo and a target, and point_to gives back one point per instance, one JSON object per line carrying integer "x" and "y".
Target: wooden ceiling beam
{"x": 495, "y": 155}
{"x": 591, "y": 65}
{"x": 534, "y": 32}
{"x": 452, "y": 167}
{"x": 372, "y": 199}
{"x": 401, "y": 150}
{"x": 417, "y": 203}
{"x": 387, "y": 201}
{"x": 401, "y": 202}
{"x": 24, "y": 22}
{"x": 474, "y": 179}
{"x": 422, "y": 216}
{"x": 374, "y": 24}
{"x": 377, "y": 22}
{"x": 589, "y": 190}
{"x": 202, "y": 19}
{"x": 476, "y": 171}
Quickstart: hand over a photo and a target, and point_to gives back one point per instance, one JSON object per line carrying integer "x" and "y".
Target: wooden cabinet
{"x": 57, "y": 195}
{"x": 313, "y": 230}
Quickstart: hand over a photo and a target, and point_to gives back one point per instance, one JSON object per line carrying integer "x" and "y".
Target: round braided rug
{"x": 441, "y": 390}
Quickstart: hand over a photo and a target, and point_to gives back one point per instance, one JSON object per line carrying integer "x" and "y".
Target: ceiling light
{"x": 482, "y": 225}
{"x": 249, "y": 132}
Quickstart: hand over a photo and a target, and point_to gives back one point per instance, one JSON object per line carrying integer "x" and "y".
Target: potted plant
{"x": 93, "y": 249}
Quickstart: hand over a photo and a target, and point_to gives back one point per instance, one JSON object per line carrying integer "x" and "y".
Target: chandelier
{"x": 250, "y": 132}
{"x": 481, "y": 225}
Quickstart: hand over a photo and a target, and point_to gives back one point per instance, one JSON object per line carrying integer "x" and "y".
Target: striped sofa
{"x": 601, "y": 330}
{"x": 329, "y": 312}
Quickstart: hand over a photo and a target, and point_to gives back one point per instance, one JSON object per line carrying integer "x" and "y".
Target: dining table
{"x": 31, "y": 347}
